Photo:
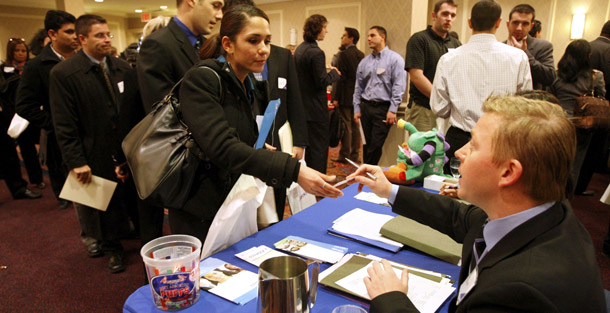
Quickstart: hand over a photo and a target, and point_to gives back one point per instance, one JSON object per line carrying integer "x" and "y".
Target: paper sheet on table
{"x": 364, "y": 223}
{"x": 371, "y": 197}
{"x": 97, "y": 194}
{"x": 426, "y": 295}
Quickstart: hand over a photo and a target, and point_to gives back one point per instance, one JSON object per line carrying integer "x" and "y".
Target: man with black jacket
{"x": 33, "y": 93}
{"x": 164, "y": 58}
{"x": 86, "y": 94}
{"x": 343, "y": 98}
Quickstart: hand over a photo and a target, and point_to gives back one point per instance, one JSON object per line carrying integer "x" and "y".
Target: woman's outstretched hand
{"x": 317, "y": 183}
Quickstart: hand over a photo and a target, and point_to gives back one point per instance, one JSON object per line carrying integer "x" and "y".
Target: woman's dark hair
{"x": 575, "y": 61}
{"x": 233, "y": 22}
{"x": 37, "y": 42}
{"x": 536, "y": 28}
{"x": 10, "y": 49}
{"x": 313, "y": 26}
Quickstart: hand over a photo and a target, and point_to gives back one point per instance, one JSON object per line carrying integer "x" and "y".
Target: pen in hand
{"x": 371, "y": 176}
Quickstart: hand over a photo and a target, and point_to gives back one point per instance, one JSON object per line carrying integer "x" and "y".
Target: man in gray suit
{"x": 539, "y": 51}
{"x": 600, "y": 55}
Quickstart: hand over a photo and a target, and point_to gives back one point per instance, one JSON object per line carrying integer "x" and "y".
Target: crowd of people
{"x": 81, "y": 101}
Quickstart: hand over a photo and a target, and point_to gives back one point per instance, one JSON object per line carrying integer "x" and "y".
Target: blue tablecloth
{"x": 311, "y": 223}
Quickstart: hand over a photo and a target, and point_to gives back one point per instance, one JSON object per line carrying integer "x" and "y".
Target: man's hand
{"x": 390, "y": 118}
{"x": 122, "y": 172}
{"x": 317, "y": 183}
{"x": 382, "y": 279}
{"x": 335, "y": 103}
{"x": 336, "y": 69}
{"x": 297, "y": 152}
{"x": 381, "y": 186}
{"x": 512, "y": 41}
{"x": 270, "y": 147}
{"x": 83, "y": 174}
{"x": 357, "y": 117}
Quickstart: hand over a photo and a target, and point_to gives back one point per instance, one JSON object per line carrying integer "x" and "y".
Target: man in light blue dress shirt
{"x": 380, "y": 83}
{"x": 524, "y": 250}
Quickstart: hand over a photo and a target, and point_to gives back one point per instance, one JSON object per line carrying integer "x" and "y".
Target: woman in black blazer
{"x": 221, "y": 118}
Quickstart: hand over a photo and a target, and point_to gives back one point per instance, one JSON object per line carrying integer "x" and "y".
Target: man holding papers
{"x": 523, "y": 248}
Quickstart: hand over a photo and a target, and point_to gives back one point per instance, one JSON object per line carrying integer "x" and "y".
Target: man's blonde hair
{"x": 537, "y": 134}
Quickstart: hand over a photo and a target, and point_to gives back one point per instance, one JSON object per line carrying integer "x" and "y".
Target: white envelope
{"x": 96, "y": 195}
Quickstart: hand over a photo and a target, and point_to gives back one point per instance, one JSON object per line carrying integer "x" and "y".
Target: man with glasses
{"x": 87, "y": 105}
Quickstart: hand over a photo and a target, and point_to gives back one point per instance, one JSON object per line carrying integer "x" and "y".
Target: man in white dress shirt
{"x": 471, "y": 73}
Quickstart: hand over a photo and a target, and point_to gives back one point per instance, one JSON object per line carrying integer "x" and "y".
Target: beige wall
{"x": 22, "y": 22}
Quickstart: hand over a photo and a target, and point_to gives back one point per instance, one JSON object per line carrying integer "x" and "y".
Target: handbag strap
{"x": 593, "y": 77}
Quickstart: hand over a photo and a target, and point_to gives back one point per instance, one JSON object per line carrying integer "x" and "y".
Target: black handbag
{"x": 162, "y": 155}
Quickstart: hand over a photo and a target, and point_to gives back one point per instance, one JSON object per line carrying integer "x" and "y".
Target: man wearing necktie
{"x": 524, "y": 250}
{"x": 86, "y": 93}
{"x": 164, "y": 57}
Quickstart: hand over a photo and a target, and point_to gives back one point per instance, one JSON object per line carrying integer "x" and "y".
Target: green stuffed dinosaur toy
{"x": 425, "y": 156}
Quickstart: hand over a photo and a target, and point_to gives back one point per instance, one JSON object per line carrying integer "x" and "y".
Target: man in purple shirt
{"x": 380, "y": 83}
{"x": 523, "y": 248}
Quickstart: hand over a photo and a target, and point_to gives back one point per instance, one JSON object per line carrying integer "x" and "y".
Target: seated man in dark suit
{"x": 523, "y": 248}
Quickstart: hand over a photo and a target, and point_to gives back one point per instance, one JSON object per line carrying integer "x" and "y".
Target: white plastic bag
{"x": 18, "y": 125}
{"x": 267, "y": 213}
{"x": 236, "y": 218}
{"x": 299, "y": 199}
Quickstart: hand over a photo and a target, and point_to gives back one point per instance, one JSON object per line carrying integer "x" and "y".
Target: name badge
{"x": 121, "y": 86}
{"x": 467, "y": 285}
{"x": 380, "y": 70}
{"x": 281, "y": 83}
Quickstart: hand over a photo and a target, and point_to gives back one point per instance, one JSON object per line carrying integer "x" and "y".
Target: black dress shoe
{"x": 94, "y": 250}
{"x": 40, "y": 185}
{"x": 115, "y": 263}
{"x": 339, "y": 160}
{"x": 64, "y": 204}
{"x": 586, "y": 193}
{"x": 27, "y": 194}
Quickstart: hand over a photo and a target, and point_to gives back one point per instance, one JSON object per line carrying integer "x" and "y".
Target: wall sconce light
{"x": 578, "y": 26}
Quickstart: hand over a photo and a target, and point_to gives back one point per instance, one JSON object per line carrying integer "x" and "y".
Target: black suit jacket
{"x": 226, "y": 133}
{"x": 347, "y": 65}
{"x": 33, "y": 91}
{"x": 313, "y": 79}
{"x": 86, "y": 117}
{"x": 164, "y": 57}
{"x": 547, "y": 264}
{"x": 600, "y": 59}
{"x": 280, "y": 64}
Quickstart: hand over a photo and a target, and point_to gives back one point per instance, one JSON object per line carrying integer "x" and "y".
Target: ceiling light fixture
{"x": 163, "y": 7}
{"x": 138, "y": 11}
{"x": 99, "y": 0}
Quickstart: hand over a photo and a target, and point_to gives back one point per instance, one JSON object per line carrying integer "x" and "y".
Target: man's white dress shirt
{"x": 468, "y": 75}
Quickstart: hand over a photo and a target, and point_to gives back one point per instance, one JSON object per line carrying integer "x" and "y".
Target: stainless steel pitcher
{"x": 284, "y": 285}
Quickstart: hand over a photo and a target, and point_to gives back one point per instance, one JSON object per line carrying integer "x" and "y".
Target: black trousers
{"x": 27, "y": 145}
{"x": 150, "y": 221}
{"x": 58, "y": 172}
{"x": 10, "y": 170}
{"x": 316, "y": 154}
{"x": 181, "y": 222}
{"x": 594, "y": 154}
{"x": 456, "y": 138}
{"x": 350, "y": 143}
{"x": 374, "y": 128}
